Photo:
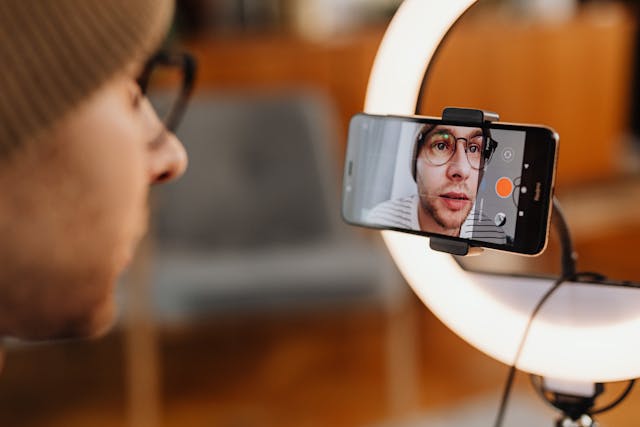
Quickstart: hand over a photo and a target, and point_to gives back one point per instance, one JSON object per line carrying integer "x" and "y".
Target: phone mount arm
{"x": 474, "y": 118}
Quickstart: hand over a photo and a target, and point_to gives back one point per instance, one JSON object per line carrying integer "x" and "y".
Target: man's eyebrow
{"x": 454, "y": 129}
{"x": 437, "y": 129}
{"x": 471, "y": 132}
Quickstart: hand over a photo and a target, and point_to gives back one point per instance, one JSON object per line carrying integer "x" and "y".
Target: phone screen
{"x": 488, "y": 185}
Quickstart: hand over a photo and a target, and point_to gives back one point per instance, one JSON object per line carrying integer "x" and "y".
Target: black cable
{"x": 512, "y": 369}
{"x": 617, "y": 401}
{"x": 506, "y": 393}
{"x": 568, "y": 272}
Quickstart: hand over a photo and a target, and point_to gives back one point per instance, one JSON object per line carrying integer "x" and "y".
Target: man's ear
{"x": 490, "y": 148}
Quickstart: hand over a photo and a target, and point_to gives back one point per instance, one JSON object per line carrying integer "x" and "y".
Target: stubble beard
{"x": 445, "y": 218}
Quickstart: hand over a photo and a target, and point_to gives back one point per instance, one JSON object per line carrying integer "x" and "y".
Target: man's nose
{"x": 168, "y": 159}
{"x": 458, "y": 167}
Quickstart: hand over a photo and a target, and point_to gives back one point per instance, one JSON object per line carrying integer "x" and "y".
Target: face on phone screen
{"x": 436, "y": 178}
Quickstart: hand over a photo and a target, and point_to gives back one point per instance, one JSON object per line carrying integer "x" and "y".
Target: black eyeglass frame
{"x": 188, "y": 66}
{"x": 489, "y": 147}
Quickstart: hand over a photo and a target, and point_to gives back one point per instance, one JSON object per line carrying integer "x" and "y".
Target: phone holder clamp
{"x": 467, "y": 116}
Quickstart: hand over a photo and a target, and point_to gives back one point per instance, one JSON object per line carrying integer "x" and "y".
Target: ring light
{"x": 585, "y": 333}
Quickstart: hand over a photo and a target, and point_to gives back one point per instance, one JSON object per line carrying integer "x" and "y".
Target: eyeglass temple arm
{"x": 188, "y": 64}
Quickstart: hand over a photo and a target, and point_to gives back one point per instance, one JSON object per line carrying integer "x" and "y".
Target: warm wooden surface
{"x": 338, "y": 68}
{"x": 572, "y": 76}
{"x": 306, "y": 369}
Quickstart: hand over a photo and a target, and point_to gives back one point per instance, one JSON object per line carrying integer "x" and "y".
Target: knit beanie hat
{"x": 56, "y": 53}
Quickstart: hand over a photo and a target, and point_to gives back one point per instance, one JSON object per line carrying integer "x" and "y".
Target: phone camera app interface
{"x": 457, "y": 181}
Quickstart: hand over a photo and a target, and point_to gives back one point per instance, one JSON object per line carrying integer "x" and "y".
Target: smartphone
{"x": 489, "y": 185}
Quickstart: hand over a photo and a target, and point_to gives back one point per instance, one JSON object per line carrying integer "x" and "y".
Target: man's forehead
{"x": 457, "y": 130}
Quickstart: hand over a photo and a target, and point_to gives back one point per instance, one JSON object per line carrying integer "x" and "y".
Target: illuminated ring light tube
{"x": 587, "y": 333}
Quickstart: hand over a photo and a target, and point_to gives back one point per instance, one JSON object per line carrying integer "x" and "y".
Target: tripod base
{"x": 575, "y": 400}
{"x": 583, "y": 421}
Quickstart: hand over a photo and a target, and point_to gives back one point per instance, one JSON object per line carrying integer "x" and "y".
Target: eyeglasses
{"x": 167, "y": 80}
{"x": 440, "y": 146}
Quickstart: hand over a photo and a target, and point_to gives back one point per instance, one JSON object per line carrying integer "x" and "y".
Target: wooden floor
{"x": 306, "y": 369}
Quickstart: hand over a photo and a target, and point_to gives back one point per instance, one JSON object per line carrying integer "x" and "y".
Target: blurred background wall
{"x": 252, "y": 304}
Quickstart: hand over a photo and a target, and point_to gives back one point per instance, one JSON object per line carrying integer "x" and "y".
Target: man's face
{"x": 447, "y": 188}
{"x": 73, "y": 206}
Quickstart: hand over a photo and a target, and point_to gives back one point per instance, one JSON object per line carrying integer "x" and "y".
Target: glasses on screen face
{"x": 440, "y": 146}
{"x": 167, "y": 81}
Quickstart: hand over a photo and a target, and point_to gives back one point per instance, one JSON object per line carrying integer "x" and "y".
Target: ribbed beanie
{"x": 56, "y": 53}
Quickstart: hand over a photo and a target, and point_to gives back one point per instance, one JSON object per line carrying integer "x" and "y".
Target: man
{"x": 79, "y": 147}
{"x": 446, "y": 164}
